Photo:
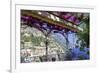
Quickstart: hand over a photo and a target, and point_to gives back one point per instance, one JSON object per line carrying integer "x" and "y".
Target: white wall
{"x": 5, "y": 35}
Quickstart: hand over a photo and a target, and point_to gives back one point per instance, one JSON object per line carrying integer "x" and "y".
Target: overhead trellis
{"x": 33, "y": 18}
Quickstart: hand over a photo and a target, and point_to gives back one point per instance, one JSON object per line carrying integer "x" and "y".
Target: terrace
{"x": 42, "y": 25}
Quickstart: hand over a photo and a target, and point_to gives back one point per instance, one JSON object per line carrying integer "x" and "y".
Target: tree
{"x": 84, "y": 35}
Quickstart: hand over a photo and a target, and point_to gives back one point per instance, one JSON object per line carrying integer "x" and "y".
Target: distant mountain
{"x": 60, "y": 40}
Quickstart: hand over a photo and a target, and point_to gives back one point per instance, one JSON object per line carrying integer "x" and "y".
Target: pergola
{"x": 49, "y": 21}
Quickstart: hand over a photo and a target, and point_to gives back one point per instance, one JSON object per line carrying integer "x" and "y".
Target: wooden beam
{"x": 50, "y": 21}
